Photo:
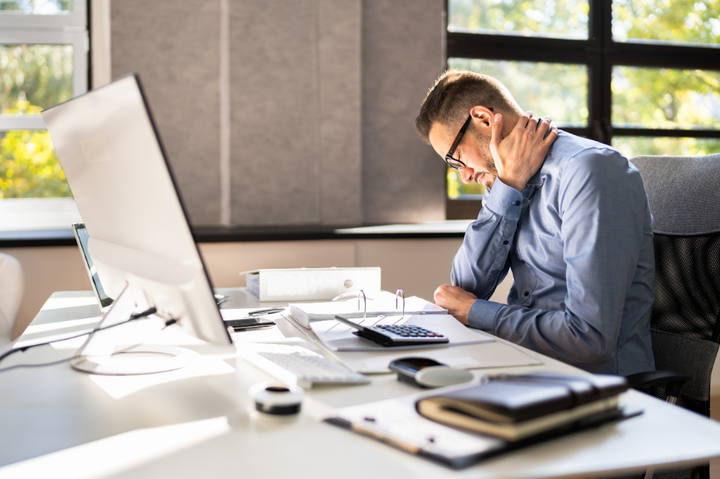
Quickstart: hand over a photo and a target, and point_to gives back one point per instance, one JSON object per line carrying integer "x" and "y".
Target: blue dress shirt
{"x": 579, "y": 242}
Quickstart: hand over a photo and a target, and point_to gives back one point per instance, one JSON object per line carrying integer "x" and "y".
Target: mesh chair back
{"x": 684, "y": 196}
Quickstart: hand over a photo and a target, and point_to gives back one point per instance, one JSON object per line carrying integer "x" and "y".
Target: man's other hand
{"x": 456, "y": 300}
{"x": 521, "y": 154}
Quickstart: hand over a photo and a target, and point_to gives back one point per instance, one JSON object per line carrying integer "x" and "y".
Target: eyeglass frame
{"x": 452, "y": 162}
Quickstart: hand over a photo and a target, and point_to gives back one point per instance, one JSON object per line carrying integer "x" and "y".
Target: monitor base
{"x": 142, "y": 359}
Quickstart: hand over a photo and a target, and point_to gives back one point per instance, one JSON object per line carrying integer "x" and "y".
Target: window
{"x": 43, "y": 62}
{"x": 642, "y": 75}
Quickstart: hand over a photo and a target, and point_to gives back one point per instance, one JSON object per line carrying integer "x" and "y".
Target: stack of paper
{"x": 380, "y": 304}
{"x": 252, "y": 282}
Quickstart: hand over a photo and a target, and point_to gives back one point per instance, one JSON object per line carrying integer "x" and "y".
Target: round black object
{"x": 277, "y": 400}
{"x": 277, "y": 410}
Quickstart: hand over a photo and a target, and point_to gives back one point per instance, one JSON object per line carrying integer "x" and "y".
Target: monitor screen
{"x": 139, "y": 237}
{"x": 82, "y": 237}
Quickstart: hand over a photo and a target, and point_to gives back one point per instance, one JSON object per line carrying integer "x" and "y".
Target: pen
{"x": 266, "y": 311}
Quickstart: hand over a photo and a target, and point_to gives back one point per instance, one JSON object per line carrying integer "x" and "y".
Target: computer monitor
{"x": 139, "y": 237}
{"x": 82, "y": 238}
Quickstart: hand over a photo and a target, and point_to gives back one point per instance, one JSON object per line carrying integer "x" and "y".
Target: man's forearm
{"x": 482, "y": 261}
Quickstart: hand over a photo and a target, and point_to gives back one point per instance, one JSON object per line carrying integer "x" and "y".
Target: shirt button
{"x": 527, "y": 293}
{"x": 505, "y": 242}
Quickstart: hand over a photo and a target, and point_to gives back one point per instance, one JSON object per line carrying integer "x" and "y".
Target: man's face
{"x": 473, "y": 150}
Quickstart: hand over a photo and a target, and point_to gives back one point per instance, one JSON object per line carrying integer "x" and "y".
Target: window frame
{"x": 76, "y": 18}
{"x": 65, "y": 29}
{"x": 600, "y": 53}
{"x": 43, "y": 216}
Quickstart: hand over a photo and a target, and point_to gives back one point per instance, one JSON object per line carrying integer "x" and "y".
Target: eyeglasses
{"x": 454, "y": 163}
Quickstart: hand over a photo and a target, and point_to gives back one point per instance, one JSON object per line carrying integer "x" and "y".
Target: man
{"x": 568, "y": 215}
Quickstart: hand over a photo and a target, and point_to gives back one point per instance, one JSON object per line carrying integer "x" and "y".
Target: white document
{"x": 395, "y": 421}
{"x": 337, "y": 336}
{"x": 472, "y": 356}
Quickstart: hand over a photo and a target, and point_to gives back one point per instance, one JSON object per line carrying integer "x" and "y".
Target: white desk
{"x": 56, "y": 422}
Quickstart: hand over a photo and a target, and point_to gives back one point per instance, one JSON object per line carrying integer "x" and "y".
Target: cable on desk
{"x": 132, "y": 317}
{"x": 76, "y": 355}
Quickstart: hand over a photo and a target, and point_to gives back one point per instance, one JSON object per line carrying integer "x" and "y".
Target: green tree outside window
{"x": 642, "y": 97}
{"x": 32, "y": 77}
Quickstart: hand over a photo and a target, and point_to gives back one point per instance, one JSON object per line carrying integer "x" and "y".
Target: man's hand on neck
{"x": 520, "y": 153}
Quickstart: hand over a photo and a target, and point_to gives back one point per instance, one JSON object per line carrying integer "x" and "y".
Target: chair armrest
{"x": 674, "y": 380}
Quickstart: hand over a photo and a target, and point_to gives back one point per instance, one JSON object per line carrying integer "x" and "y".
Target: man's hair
{"x": 454, "y": 94}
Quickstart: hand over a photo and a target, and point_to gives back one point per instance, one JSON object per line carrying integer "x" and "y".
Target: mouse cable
{"x": 133, "y": 317}
{"x": 168, "y": 323}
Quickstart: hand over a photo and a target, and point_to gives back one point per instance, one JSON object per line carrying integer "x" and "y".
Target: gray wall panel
{"x": 273, "y": 67}
{"x": 402, "y": 55}
{"x": 340, "y": 81}
{"x": 174, "y": 48}
{"x": 323, "y": 95}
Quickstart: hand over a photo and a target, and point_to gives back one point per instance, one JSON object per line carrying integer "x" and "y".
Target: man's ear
{"x": 482, "y": 119}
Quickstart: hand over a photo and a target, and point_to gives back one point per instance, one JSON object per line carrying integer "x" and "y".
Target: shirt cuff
{"x": 504, "y": 200}
{"x": 482, "y": 315}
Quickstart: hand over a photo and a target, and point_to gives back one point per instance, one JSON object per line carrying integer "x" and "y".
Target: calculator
{"x": 389, "y": 335}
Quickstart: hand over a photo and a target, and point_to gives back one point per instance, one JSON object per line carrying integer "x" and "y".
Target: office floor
{"x": 715, "y": 414}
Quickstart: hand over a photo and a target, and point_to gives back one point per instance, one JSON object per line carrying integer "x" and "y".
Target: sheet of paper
{"x": 339, "y": 337}
{"x": 396, "y": 421}
{"x": 263, "y": 335}
{"x": 473, "y": 356}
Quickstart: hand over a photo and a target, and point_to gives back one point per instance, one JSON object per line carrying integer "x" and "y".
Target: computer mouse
{"x": 428, "y": 373}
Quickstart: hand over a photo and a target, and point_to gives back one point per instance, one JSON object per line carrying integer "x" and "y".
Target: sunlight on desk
{"x": 259, "y": 336}
{"x": 69, "y": 302}
{"x": 42, "y": 333}
{"x": 119, "y": 453}
{"x": 200, "y": 422}
{"x": 119, "y": 387}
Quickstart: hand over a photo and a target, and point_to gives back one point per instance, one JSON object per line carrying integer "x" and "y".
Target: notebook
{"x": 519, "y": 406}
{"x": 397, "y": 422}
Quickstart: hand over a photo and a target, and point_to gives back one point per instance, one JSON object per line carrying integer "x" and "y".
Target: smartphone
{"x": 244, "y": 324}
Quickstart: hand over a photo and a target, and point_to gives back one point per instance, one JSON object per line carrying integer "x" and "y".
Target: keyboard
{"x": 298, "y": 366}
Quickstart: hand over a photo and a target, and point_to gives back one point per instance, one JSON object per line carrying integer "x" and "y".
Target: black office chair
{"x": 684, "y": 196}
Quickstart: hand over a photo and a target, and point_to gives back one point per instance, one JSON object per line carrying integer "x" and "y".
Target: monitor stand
{"x": 119, "y": 351}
